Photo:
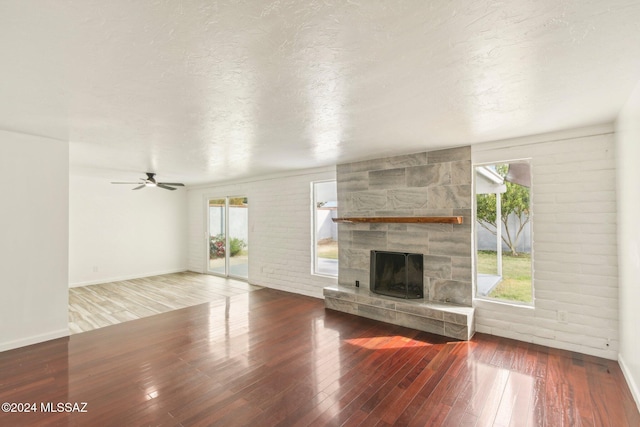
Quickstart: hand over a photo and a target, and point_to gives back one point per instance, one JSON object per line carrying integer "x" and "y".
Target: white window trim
{"x": 480, "y": 301}
{"x": 314, "y": 219}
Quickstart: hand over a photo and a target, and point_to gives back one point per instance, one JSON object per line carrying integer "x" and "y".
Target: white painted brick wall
{"x": 574, "y": 233}
{"x": 279, "y": 230}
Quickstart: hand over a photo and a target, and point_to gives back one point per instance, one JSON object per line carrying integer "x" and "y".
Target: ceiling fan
{"x": 150, "y": 181}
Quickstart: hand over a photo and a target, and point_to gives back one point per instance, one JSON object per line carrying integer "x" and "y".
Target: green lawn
{"x": 328, "y": 249}
{"x": 516, "y": 272}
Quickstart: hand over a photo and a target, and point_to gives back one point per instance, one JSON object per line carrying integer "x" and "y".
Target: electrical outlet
{"x": 357, "y": 283}
{"x": 95, "y": 268}
{"x": 563, "y": 316}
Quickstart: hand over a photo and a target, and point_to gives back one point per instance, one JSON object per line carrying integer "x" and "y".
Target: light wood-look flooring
{"x": 270, "y": 358}
{"x": 97, "y": 306}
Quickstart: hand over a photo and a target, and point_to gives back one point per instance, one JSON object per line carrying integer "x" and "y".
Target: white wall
{"x": 279, "y": 230}
{"x": 34, "y": 242}
{"x": 574, "y": 243}
{"x": 628, "y": 167}
{"x": 116, "y": 233}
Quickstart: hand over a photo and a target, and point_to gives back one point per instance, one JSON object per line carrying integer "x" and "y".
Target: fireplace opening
{"x": 397, "y": 274}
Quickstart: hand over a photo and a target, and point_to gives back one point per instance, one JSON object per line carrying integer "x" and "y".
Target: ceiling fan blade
{"x": 151, "y": 182}
{"x": 165, "y": 187}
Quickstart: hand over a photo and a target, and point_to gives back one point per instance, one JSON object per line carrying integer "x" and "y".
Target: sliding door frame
{"x": 227, "y": 252}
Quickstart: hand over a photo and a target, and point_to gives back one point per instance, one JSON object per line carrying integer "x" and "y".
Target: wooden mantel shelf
{"x": 402, "y": 219}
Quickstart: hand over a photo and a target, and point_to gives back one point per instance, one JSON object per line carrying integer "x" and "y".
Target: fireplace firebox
{"x": 397, "y": 274}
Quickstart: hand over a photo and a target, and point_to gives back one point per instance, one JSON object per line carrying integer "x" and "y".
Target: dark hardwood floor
{"x": 272, "y": 358}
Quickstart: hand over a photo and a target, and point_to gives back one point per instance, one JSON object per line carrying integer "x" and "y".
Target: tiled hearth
{"x": 436, "y": 183}
{"x": 443, "y": 319}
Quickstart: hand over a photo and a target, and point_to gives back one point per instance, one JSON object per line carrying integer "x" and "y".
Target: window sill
{"x": 490, "y": 303}
{"x": 326, "y": 276}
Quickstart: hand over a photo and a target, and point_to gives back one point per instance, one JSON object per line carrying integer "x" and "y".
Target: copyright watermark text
{"x": 44, "y": 407}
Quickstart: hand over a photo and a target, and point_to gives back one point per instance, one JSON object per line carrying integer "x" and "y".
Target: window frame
{"x": 314, "y": 227}
{"x": 531, "y": 208}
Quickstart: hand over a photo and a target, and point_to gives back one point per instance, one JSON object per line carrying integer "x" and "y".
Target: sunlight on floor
{"x": 386, "y": 342}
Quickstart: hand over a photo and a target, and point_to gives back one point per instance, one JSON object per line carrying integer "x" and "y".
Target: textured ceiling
{"x": 204, "y": 91}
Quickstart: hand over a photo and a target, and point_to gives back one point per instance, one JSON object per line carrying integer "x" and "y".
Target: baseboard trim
{"x": 635, "y": 391}
{"x": 129, "y": 277}
{"x": 23, "y": 342}
{"x": 290, "y": 290}
{"x": 547, "y": 342}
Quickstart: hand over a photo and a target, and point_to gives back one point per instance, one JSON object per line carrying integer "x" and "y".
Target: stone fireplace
{"x": 436, "y": 183}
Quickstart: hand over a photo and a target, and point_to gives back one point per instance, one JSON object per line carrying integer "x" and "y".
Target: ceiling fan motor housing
{"x": 150, "y": 181}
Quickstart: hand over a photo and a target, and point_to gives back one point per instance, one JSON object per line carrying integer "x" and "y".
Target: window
{"x": 228, "y": 247}
{"x": 325, "y": 231}
{"x": 503, "y": 231}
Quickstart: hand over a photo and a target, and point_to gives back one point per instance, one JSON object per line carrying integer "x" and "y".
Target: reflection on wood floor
{"x": 97, "y": 306}
{"x": 271, "y": 358}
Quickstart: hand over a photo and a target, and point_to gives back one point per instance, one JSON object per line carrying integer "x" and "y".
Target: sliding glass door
{"x": 228, "y": 237}
{"x": 238, "y": 242}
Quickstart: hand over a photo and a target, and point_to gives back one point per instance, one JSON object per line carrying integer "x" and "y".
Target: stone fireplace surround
{"x": 435, "y": 183}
